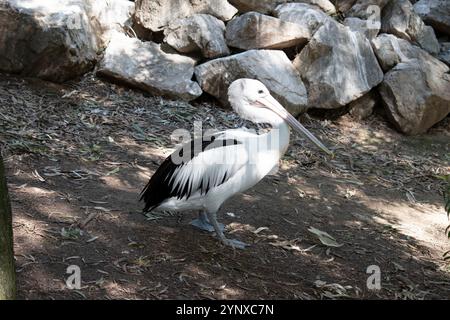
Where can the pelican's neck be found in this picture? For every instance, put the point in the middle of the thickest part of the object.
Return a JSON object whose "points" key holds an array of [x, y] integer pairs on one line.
{"points": [[278, 136], [277, 139]]}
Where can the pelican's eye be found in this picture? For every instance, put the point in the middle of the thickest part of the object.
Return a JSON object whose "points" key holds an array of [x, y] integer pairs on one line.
{"points": [[261, 91]]}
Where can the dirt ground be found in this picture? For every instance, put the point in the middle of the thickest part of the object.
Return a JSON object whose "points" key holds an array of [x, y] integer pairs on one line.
{"points": [[79, 154]]}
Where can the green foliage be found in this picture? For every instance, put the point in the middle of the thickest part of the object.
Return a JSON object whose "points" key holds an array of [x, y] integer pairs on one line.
{"points": [[447, 208]]}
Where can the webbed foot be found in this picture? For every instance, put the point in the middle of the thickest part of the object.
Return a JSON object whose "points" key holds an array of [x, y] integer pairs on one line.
{"points": [[234, 243]]}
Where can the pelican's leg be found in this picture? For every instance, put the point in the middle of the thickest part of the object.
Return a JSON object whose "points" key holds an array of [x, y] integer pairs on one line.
{"points": [[203, 223], [229, 242]]}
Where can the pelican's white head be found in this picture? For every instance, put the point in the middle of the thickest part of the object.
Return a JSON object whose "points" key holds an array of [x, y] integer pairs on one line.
{"points": [[252, 101], [243, 95]]}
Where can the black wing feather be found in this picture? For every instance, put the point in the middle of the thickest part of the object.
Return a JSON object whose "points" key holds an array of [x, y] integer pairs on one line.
{"points": [[160, 187]]}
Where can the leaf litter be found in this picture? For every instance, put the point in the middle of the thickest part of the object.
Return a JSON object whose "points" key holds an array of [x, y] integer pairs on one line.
{"points": [[44, 125]]}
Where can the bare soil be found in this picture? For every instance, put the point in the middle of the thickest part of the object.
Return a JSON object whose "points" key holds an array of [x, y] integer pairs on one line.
{"points": [[79, 154]]}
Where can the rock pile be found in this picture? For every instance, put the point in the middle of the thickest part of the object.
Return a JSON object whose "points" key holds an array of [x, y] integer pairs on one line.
{"points": [[343, 54]]}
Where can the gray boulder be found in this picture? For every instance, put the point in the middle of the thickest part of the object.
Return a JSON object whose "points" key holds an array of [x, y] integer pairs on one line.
{"points": [[198, 33], [110, 15], [416, 94], [145, 66], [391, 50], [367, 28], [254, 30], [52, 42], [400, 19], [267, 6], [155, 15], [344, 5], [436, 13], [362, 108], [444, 55], [324, 5], [368, 9], [338, 66], [261, 6], [305, 15], [416, 89], [272, 67]]}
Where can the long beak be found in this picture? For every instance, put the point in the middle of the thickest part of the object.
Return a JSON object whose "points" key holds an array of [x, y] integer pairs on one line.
{"points": [[275, 106]]}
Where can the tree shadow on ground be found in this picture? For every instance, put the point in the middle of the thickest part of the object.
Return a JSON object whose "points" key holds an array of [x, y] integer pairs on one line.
{"points": [[123, 254]]}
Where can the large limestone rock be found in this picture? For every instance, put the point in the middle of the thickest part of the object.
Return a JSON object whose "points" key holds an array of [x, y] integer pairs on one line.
{"points": [[444, 55], [365, 16], [144, 65], [344, 5], [108, 16], [362, 108], [400, 19], [367, 28], [391, 50], [338, 66], [435, 13], [254, 30], [200, 32], [416, 95], [272, 67], [368, 9], [267, 6], [305, 15], [155, 15], [416, 90], [261, 6], [41, 39], [324, 5]]}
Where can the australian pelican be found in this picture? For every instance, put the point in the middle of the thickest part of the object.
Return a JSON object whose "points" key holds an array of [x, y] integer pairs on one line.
{"points": [[226, 163]]}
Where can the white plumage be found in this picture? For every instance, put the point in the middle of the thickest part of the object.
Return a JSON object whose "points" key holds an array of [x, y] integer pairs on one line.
{"points": [[231, 162], [206, 169]]}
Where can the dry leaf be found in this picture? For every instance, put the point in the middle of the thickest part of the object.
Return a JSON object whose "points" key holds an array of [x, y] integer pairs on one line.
{"points": [[325, 238]]}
